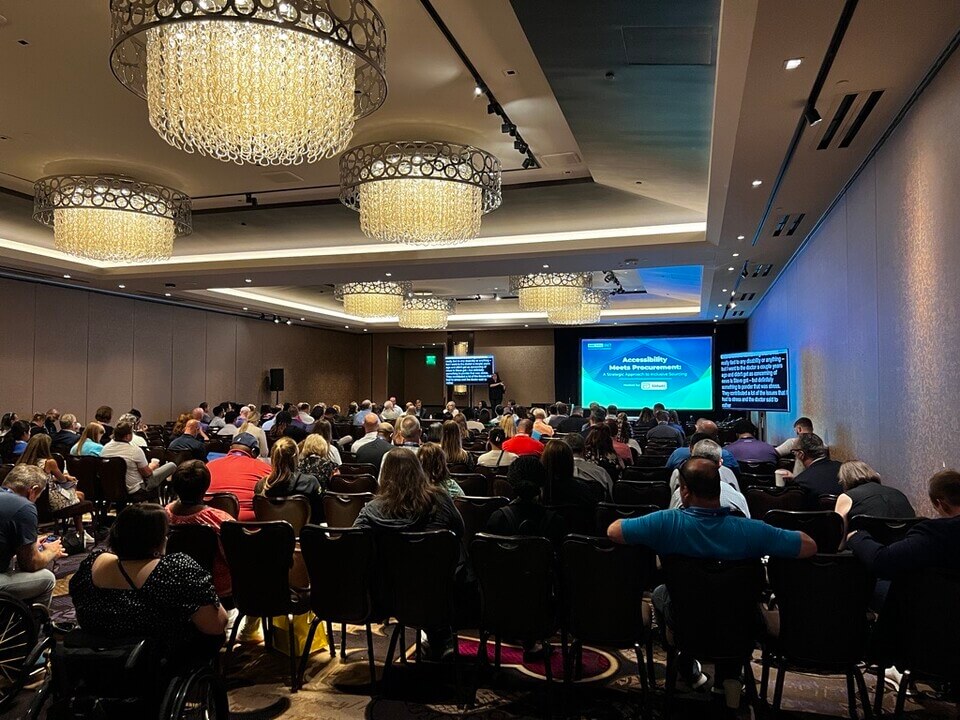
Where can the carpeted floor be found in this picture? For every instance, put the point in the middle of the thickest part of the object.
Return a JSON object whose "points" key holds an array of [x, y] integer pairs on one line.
{"points": [[336, 689]]}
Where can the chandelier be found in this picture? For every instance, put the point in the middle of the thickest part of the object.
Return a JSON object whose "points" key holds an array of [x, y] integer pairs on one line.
{"points": [[423, 193], [267, 82], [543, 292], [110, 218], [374, 299], [425, 313], [586, 312]]}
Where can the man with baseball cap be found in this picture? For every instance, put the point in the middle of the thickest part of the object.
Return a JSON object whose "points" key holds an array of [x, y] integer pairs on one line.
{"points": [[239, 471]]}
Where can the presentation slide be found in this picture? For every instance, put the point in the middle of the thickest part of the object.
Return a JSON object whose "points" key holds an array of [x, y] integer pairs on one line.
{"points": [[639, 372], [755, 381], [468, 369]]}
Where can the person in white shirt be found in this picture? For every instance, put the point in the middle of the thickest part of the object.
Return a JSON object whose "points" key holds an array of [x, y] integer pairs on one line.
{"points": [[217, 422], [371, 427], [304, 416], [389, 412], [252, 426], [451, 409], [802, 426], [137, 440], [142, 477], [496, 456], [730, 495]]}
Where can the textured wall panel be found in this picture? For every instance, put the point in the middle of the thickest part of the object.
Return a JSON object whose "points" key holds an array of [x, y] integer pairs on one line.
{"points": [[60, 349], [16, 346], [153, 361], [189, 359], [109, 355], [221, 354]]}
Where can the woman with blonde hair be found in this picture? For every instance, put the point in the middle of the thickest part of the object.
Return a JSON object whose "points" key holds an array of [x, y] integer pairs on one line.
{"points": [[452, 444], [252, 425], [89, 442], [863, 494], [508, 425], [434, 463], [315, 459], [61, 487], [286, 479]]}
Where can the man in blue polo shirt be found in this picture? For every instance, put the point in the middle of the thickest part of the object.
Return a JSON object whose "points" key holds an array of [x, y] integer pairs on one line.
{"points": [[704, 529]]}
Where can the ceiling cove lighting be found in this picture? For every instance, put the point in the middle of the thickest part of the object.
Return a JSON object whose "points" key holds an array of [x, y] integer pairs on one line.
{"points": [[425, 313], [420, 192], [252, 81], [586, 312], [543, 292], [111, 218], [373, 299]]}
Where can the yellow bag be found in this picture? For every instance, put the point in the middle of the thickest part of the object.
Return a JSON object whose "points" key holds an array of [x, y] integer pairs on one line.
{"points": [[301, 627]]}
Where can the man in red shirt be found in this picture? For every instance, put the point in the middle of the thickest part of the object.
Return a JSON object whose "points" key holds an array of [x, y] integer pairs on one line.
{"points": [[522, 443], [239, 472]]}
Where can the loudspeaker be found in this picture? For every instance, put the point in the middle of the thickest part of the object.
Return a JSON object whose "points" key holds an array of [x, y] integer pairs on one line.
{"points": [[276, 379]]}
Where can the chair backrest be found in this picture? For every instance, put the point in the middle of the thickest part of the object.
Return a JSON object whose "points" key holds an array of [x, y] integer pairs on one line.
{"points": [[341, 565], [350, 468], [473, 484], [503, 488], [340, 510], [762, 500], [883, 530], [646, 474], [765, 469], [823, 604], [295, 509], [85, 470], [200, 542], [155, 452], [824, 526], [112, 479], [651, 461], [607, 513], [579, 519], [714, 605], [178, 456], [459, 468], [826, 502], [516, 574], [225, 501], [59, 458], [418, 576], [353, 484], [634, 492], [476, 511], [603, 586], [259, 555]]}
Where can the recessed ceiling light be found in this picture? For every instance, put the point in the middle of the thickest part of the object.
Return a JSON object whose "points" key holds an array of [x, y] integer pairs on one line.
{"points": [[497, 298], [792, 63], [732, 305], [289, 322], [757, 183], [714, 319], [545, 266], [245, 308], [740, 237], [364, 329], [477, 91], [121, 286], [168, 295], [302, 319], [389, 274], [66, 277], [731, 269], [736, 254], [347, 327], [247, 280], [724, 290], [719, 304], [526, 326]]}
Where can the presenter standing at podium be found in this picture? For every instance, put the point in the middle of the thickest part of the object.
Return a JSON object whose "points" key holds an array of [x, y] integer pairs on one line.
{"points": [[497, 389]]}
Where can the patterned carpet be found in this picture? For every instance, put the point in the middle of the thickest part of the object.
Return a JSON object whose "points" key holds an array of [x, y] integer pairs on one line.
{"points": [[336, 689]]}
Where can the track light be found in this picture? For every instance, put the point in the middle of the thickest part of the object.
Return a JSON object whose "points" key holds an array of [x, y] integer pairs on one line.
{"points": [[478, 91], [812, 116], [509, 128], [529, 163], [493, 109]]}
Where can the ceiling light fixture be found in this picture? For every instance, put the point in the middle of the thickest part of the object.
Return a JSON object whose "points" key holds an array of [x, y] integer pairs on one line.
{"points": [[106, 217], [252, 81], [731, 269], [168, 295], [121, 286], [425, 313], [757, 183], [66, 277], [423, 193], [792, 63], [586, 312], [736, 254], [543, 292], [373, 299], [740, 237]]}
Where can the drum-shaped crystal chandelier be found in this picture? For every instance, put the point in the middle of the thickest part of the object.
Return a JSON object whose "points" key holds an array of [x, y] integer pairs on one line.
{"points": [[425, 313], [543, 292], [373, 299], [585, 312]]}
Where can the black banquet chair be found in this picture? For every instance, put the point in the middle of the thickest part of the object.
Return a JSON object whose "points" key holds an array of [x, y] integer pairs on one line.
{"points": [[476, 511], [607, 513], [225, 501], [340, 510], [883, 530], [294, 509], [824, 526], [635, 492], [646, 474], [762, 499], [200, 542]]}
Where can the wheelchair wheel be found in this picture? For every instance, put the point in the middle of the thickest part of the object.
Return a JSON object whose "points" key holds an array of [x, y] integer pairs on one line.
{"points": [[18, 636], [199, 696]]}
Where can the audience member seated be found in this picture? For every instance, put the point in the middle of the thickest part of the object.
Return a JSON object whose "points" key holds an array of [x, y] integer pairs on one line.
{"points": [[138, 439], [387, 432], [303, 416], [239, 472], [198, 414], [573, 423], [704, 529], [645, 422], [559, 414], [135, 590], [584, 469], [451, 440], [623, 433], [408, 502], [663, 433], [315, 459], [747, 449], [14, 442], [541, 428], [38, 424], [450, 410], [229, 424], [179, 426], [496, 456], [372, 451], [104, 416], [819, 475], [61, 488], [508, 424], [143, 478], [434, 463], [360, 416], [283, 427], [802, 426], [928, 544], [598, 447], [88, 443], [218, 419], [250, 425], [863, 494], [390, 412], [522, 443], [371, 431], [286, 479], [526, 515], [191, 482], [6, 422], [408, 432], [31, 581], [190, 441], [562, 487], [675, 423], [597, 417], [67, 436], [706, 429], [730, 495], [324, 428]]}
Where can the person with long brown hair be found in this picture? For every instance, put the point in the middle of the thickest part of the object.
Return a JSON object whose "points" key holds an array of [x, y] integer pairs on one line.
{"points": [[434, 462], [61, 487], [89, 442], [451, 441], [286, 479], [562, 487]]}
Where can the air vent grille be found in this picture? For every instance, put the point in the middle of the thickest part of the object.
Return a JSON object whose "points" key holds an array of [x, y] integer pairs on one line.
{"points": [[747, 296], [737, 313], [761, 270], [787, 224], [849, 113]]}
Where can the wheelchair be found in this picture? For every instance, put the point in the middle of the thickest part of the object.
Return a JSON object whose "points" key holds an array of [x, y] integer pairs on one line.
{"points": [[19, 651]]}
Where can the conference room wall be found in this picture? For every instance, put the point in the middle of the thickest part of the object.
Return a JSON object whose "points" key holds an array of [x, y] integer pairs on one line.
{"points": [[869, 309], [77, 350]]}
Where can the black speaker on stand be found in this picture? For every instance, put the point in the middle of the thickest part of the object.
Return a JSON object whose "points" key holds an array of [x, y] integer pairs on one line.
{"points": [[276, 383]]}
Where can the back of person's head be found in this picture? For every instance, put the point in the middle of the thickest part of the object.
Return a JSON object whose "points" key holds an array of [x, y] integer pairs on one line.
{"points": [[562, 408], [139, 532], [803, 424], [230, 417], [123, 431], [552, 409], [93, 432], [409, 428], [575, 442], [697, 437], [598, 416], [674, 418], [323, 427], [744, 427], [245, 442], [434, 463], [508, 425], [191, 428], [26, 480], [219, 410], [611, 409], [303, 407], [38, 448], [593, 406], [539, 414], [371, 422], [646, 415], [128, 418], [700, 477], [557, 460], [496, 437], [386, 431], [528, 476], [707, 427], [284, 457], [314, 444], [854, 473], [812, 446], [405, 491], [190, 481], [707, 448], [451, 442], [103, 414], [662, 416], [599, 442], [944, 491], [197, 413], [365, 405], [68, 421], [136, 413]]}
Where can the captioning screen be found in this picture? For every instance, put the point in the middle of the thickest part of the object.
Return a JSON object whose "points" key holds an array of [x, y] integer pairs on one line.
{"points": [[757, 380]]}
